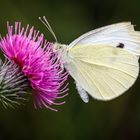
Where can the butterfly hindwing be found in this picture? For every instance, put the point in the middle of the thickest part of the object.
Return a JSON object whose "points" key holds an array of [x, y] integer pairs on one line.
{"points": [[103, 71]]}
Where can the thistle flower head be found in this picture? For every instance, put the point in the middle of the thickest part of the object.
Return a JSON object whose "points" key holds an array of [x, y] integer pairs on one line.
{"points": [[13, 85], [38, 62]]}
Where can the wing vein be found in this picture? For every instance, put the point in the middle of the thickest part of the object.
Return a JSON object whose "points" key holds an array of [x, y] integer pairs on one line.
{"points": [[91, 80], [107, 66]]}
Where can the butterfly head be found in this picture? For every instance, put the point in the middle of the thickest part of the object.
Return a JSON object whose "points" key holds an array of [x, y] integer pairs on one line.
{"points": [[62, 50], [59, 47]]}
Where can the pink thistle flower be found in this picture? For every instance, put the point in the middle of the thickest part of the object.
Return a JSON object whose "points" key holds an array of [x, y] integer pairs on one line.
{"points": [[38, 62]]}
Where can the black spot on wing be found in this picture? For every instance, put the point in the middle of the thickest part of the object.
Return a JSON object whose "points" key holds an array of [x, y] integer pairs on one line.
{"points": [[121, 45]]}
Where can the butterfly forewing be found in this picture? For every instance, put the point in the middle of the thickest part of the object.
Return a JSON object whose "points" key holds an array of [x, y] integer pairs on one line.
{"points": [[112, 35]]}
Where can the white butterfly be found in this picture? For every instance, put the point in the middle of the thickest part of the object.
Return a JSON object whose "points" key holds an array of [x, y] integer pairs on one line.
{"points": [[104, 61]]}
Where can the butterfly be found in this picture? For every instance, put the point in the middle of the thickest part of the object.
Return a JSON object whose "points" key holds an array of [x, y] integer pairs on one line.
{"points": [[103, 62]]}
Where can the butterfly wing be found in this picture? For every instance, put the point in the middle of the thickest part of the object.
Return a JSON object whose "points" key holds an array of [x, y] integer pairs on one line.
{"points": [[103, 71], [112, 35]]}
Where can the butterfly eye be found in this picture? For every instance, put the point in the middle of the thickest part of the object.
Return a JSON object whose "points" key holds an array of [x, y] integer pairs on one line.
{"points": [[121, 45], [61, 47]]}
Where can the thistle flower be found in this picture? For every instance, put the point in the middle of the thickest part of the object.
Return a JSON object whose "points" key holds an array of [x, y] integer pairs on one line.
{"points": [[13, 85], [38, 62]]}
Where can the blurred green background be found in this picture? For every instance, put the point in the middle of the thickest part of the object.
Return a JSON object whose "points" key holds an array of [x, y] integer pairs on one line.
{"points": [[118, 119]]}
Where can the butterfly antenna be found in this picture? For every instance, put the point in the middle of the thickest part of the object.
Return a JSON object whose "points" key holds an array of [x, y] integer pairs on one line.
{"points": [[46, 23]]}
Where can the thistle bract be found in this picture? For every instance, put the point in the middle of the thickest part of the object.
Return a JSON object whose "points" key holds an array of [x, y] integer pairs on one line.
{"points": [[13, 85], [38, 62]]}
